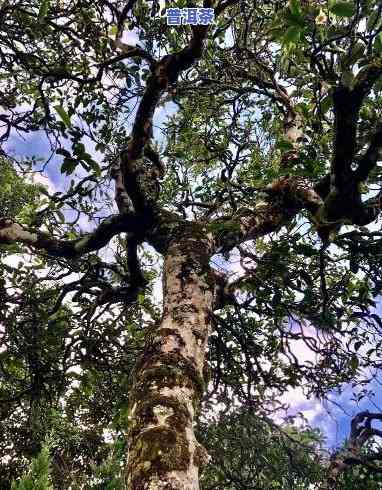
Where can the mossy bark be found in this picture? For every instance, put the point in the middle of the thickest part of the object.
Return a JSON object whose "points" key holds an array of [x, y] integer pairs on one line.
{"points": [[339, 464], [168, 379]]}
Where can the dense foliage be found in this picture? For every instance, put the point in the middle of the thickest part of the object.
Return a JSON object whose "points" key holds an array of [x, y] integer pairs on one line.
{"points": [[262, 131]]}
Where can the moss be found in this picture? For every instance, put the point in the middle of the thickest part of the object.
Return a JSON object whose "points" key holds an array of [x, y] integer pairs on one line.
{"points": [[179, 418], [159, 449], [156, 451], [201, 456], [167, 332], [168, 370], [162, 413]]}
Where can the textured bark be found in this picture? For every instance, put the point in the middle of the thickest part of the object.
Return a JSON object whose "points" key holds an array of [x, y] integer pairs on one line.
{"points": [[12, 232], [361, 431], [168, 380], [338, 465]]}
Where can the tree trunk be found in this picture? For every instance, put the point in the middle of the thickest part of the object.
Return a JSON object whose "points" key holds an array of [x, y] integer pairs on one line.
{"points": [[168, 380]]}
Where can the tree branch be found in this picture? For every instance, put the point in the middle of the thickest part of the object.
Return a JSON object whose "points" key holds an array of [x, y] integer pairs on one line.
{"points": [[370, 158], [344, 193], [281, 202], [361, 431], [12, 232], [164, 73]]}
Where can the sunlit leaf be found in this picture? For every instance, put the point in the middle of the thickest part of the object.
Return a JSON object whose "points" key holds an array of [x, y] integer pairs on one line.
{"points": [[63, 115], [43, 10], [343, 9]]}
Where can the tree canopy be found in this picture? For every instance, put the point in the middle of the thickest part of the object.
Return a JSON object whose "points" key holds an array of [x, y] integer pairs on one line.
{"points": [[192, 231]]}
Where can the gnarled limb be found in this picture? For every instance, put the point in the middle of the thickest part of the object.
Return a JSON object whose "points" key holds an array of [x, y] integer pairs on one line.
{"points": [[13, 232], [344, 194], [282, 200], [164, 73], [361, 431], [370, 158]]}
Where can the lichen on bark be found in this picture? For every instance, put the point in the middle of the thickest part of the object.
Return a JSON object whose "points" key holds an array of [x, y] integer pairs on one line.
{"points": [[169, 377]]}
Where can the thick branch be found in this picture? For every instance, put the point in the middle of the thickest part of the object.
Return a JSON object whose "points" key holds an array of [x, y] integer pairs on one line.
{"points": [[282, 201], [361, 431], [344, 193], [165, 72], [371, 156], [346, 109], [347, 103], [12, 232]]}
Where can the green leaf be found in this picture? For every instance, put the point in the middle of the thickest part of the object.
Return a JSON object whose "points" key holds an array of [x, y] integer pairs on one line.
{"points": [[79, 149], [63, 115], [294, 6], [68, 166], [326, 104], [44, 7], [293, 19], [39, 476], [347, 78], [354, 363], [60, 216], [63, 152], [306, 249], [378, 43], [284, 145], [343, 9], [292, 35], [373, 22], [358, 345], [113, 30], [88, 163]]}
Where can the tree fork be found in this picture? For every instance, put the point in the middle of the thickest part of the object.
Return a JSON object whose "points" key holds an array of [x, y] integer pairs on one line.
{"points": [[168, 379]]}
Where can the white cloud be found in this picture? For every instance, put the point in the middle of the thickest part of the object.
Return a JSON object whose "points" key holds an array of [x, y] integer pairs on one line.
{"points": [[38, 178]]}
